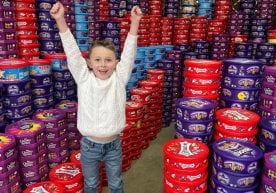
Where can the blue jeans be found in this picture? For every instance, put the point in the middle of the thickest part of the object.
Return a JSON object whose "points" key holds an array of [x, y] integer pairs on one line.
{"points": [[92, 154]]}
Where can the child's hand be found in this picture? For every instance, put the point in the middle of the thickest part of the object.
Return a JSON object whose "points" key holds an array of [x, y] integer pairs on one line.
{"points": [[136, 14], [57, 11]]}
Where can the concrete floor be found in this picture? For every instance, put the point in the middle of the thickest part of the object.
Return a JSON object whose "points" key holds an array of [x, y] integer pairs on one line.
{"points": [[146, 173]]}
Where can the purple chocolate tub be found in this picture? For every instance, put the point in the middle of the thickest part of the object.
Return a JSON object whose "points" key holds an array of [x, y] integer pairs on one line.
{"points": [[17, 100], [40, 80], [242, 82], [234, 180], [266, 145], [203, 126], [42, 90], [203, 137], [228, 103], [268, 185], [16, 87], [241, 94], [268, 129], [241, 66], [27, 132], [270, 74], [237, 156], [270, 165], [195, 108], [217, 187]]}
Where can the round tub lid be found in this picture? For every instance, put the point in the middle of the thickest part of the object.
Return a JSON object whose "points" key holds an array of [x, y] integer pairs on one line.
{"points": [[235, 116], [40, 62], [268, 123], [66, 173], [13, 63], [46, 186], [203, 63], [242, 61], [237, 149], [50, 115], [24, 128], [195, 103], [186, 150], [60, 56]]}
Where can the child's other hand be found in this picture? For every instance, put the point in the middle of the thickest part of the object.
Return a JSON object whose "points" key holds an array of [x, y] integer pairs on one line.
{"points": [[136, 13], [57, 11]]}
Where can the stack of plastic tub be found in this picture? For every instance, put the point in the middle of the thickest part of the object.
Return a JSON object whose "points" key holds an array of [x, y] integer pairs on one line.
{"points": [[185, 166], [143, 96], [236, 124], [235, 38], [171, 8], [168, 66], [42, 91], [9, 166], [222, 9], [259, 26], [241, 83], [243, 50], [56, 137], [81, 20], [93, 20], [265, 52], [110, 30], [247, 7], [152, 120], [63, 82], [28, 44], [181, 30], [154, 30], [166, 30], [73, 134], [188, 8], [155, 7], [194, 119], [117, 8], [198, 28], [236, 166], [267, 136], [236, 22], [69, 175], [220, 46], [216, 26], [268, 177], [8, 47], [16, 89], [202, 78], [205, 8], [47, 28], [126, 138], [31, 142], [177, 57], [202, 48], [267, 99], [70, 18], [132, 135]]}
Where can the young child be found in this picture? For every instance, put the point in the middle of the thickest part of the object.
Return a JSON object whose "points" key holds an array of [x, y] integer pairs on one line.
{"points": [[101, 85]]}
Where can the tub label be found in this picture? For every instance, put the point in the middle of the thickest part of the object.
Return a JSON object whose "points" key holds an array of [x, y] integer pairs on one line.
{"points": [[39, 189], [189, 149], [236, 149], [236, 115], [70, 171]]}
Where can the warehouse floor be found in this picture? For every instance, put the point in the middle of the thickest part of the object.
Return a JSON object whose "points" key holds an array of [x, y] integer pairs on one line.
{"points": [[146, 173]]}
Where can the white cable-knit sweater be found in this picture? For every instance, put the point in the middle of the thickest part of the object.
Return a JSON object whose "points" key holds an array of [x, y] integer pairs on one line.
{"points": [[101, 103]]}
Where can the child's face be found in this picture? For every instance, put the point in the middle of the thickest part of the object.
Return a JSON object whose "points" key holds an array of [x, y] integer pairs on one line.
{"points": [[103, 62]]}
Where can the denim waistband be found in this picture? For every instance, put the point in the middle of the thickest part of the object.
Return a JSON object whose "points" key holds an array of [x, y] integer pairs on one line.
{"points": [[92, 143]]}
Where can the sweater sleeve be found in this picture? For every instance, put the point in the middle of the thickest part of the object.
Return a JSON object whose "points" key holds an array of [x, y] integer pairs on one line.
{"points": [[76, 63], [125, 66]]}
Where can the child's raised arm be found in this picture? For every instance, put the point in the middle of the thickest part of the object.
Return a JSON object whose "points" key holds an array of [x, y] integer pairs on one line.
{"points": [[135, 17], [57, 12]]}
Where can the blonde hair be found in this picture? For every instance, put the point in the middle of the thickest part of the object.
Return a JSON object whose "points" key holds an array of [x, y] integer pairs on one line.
{"points": [[104, 43]]}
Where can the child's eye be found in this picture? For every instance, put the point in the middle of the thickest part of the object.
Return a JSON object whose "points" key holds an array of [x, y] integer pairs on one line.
{"points": [[97, 60], [108, 60]]}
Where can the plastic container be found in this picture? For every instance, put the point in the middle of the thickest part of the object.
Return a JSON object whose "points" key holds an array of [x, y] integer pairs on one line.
{"points": [[202, 66], [69, 107], [155, 74], [18, 111], [269, 165], [242, 94], [134, 108], [191, 126], [14, 69], [40, 67], [17, 100], [11, 88], [266, 145], [43, 90], [8, 146], [185, 153], [236, 156], [225, 102], [242, 66], [32, 149], [39, 80], [52, 118], [246, 82], [234, 180], [66, 174], [237, 119], [268, 128], [27, 132], [190, 108]]}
